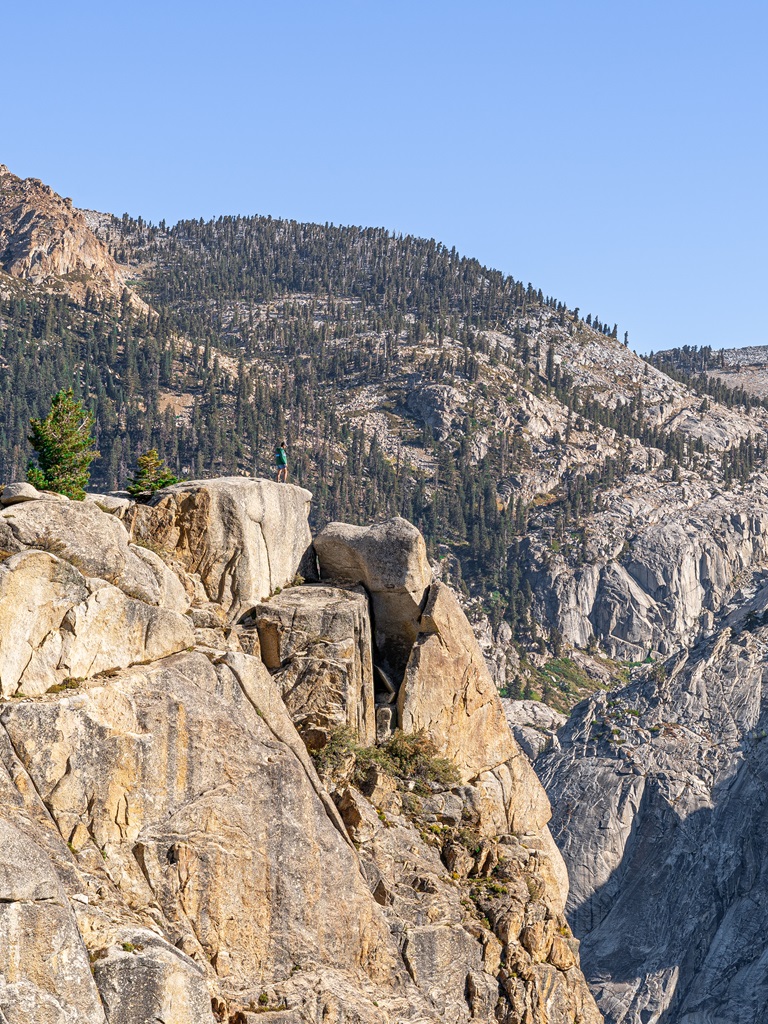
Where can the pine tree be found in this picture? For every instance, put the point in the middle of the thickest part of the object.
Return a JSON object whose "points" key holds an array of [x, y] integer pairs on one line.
{"points": [[64, 447], [151, 474]]}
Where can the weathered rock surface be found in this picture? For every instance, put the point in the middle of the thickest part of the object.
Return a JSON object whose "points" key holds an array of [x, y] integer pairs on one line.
{"points": [[438, 406], [659, 793], [534, 725], [147, 980], [160, 815], [390, 561], [671, 566], [463, 905], [317, 642], [44, 969], [95, 543], [448, 693], [57, 625], [244, 538], [14, 494]]}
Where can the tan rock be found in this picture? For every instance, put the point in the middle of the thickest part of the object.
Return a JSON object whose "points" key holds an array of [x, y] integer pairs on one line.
{"points": [[202, 810], [150, 982], [44, 970], [448, 693], [36, 591], [390, 561], [44, 240], [57, 625], [358, 815], [92, 541], [317, 642], [244, 537]]}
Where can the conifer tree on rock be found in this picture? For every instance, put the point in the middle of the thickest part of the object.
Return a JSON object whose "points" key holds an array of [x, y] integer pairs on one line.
{"points": [[151, 474], [64, 447]]}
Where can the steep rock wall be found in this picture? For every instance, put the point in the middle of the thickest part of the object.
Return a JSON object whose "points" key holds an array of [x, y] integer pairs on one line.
{"points": [[659, 795], [662, 585]]}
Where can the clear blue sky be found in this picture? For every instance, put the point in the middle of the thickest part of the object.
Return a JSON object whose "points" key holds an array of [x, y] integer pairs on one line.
{"points": [[614, 154]]}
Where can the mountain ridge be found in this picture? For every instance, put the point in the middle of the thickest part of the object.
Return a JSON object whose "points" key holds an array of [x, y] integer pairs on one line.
{"points": [[602, 517]]}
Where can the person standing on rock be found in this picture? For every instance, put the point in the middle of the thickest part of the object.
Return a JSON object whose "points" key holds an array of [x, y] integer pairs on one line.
{"points": [[281, 462]]}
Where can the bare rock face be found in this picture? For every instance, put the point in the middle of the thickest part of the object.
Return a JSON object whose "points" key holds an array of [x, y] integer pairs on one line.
{"points": [[95, 543], [534, 725], [676, 568], [57, 625], [448, 693], [180, 798], [317, 642], [168, 851], [390, 561], [243, 537], [44, 969], [660, 800], [438, 406], [44, 240], [148, 980]]}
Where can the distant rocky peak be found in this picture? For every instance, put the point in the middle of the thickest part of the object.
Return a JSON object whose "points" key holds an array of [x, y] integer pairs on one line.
{"points": [[46, 241]]}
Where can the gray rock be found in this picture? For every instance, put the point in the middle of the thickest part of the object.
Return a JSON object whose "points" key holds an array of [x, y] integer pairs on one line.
{"points": [[659, 796], [152, 982], [438, 406], [534, 725], [660, 581], [15, 493]]}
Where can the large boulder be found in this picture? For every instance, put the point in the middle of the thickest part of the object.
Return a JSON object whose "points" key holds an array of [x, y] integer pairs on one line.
{"points": [[317, 642], [146, 980], [243, 537], [95, 543], [16, 493], [390, 561]]}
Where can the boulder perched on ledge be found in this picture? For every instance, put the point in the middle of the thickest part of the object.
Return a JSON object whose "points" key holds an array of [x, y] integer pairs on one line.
{"points": [[317, 642], [390, 561], [243, 537]]}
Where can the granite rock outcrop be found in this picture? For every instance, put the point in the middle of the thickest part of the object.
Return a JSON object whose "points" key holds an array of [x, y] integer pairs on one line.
{"points": [[659, 795], [170, 849]]}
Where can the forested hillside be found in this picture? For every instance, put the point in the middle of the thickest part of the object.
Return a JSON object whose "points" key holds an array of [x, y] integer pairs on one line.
{"points": [[404, 378]]}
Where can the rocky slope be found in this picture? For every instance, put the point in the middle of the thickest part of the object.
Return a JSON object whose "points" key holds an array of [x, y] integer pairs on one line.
{"points": [[659, 793], [44, 240], [169, 851]]}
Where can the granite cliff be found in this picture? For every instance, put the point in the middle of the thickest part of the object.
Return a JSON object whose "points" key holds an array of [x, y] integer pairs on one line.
{"points": [[171, 851]]}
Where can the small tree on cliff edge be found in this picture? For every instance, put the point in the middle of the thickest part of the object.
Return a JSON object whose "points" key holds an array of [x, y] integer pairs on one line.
{"points": [[151, 474], [64, 447]]}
